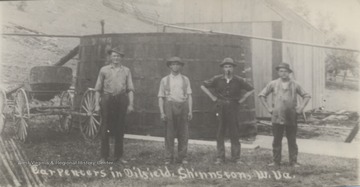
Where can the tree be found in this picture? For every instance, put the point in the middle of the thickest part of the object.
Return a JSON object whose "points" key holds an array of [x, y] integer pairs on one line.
{"points": [[301, 8], [342, 60], [336, 60]]}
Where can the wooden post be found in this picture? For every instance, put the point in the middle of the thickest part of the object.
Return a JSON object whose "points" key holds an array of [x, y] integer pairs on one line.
{"points": [[7, 153], [24, 157], [10, 172], [68, 57], [102, 22], [164, 28], [13, 90], [352, 134], [28, 175]]}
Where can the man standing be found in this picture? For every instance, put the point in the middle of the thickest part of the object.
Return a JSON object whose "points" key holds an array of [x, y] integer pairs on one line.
{"points": [[115, 86], [226, 93], [284, 112], [175, 103]]}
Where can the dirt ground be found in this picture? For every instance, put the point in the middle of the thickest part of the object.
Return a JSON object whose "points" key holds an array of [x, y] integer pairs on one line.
{"points": [[66, 151], [46, 144]]}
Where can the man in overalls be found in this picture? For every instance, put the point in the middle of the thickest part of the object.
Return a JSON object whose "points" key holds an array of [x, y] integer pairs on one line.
{"points": [[175, 103], [115, 86], [227, 94], [284, 112]]}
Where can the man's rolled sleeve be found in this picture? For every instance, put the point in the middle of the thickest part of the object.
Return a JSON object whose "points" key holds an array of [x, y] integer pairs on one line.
{"points": [[130, 86], [100, 82], [161, 89], [209, 83], [188, 89], [267, 90], [246, 86], [302, 92]]}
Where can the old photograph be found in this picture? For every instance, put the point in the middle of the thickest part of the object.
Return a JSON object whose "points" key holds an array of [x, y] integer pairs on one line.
{"points": [[179, 93]]}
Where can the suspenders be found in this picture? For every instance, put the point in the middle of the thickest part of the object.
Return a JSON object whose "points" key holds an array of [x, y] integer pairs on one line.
{"points": [[184, 85]]}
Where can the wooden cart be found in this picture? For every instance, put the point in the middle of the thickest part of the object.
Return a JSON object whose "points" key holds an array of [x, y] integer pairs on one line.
{"points": [[34, 99]]}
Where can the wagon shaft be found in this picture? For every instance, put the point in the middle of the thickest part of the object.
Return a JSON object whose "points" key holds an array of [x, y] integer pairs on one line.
{"points": [[59, 112], [13, 90]]}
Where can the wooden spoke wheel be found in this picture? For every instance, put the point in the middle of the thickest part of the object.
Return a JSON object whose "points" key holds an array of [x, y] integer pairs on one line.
{"points": [[65, 122], [3, 102], [21, 114], [89, 124]]}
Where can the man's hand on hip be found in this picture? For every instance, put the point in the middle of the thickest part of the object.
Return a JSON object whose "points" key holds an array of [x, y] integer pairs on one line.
{"points": [[299, 110]]}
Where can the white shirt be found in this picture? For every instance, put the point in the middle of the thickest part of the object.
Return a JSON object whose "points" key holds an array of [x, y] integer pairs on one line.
{"points": [[176, 88]]}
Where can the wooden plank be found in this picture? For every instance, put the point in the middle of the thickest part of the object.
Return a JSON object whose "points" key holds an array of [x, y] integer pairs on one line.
{"points": [[276, 47], [206, 11], [261, 63], [352, 134], [67, 57], [41, 35]]}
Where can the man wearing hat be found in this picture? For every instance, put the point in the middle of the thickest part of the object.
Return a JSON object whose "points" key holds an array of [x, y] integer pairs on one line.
{"points": [[115, 87], [175, 103], [284, 112], [226, 92]]}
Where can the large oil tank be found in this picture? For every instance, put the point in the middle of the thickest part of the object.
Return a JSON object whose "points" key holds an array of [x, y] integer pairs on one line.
{"points": [[146, 54]]}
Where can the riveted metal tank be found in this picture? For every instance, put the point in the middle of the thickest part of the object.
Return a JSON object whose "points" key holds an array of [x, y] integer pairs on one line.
{"points": [[146, 54]]}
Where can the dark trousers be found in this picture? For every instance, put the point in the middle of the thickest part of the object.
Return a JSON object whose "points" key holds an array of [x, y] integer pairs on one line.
{"points": [[176, 126], [278, 133], [113, 113], [226, 112]]}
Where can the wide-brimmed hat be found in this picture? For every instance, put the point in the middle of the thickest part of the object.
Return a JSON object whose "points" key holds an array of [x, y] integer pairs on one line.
{"points": [[227, 61], [283, 65], [174, 59], [116, 50]]}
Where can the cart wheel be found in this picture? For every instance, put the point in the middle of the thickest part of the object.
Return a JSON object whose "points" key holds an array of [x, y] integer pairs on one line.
{"points": [[21, 114], [65, 123], [90, 124], [2, 110]]}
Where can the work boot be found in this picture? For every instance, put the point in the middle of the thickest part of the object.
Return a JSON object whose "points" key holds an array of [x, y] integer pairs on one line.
{"points": [[274, 164], [219, 161], [182, 161], [295, 165], [239, 162]]}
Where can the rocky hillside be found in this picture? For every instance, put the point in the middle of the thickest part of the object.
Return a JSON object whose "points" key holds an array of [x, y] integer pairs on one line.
{"points": [[66, 17]]}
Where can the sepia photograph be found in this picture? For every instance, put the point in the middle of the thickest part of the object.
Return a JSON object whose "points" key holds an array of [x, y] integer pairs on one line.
{"points": [[258, 93]]}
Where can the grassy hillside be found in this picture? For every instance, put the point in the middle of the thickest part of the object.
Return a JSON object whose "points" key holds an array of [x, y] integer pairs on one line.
{"points": [[68, 17]]}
